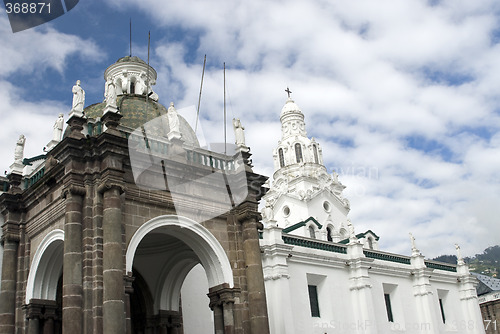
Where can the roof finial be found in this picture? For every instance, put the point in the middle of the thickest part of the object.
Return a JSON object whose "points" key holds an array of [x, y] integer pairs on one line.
{"points": [[414, 249], [288, 91], [460, 259]]}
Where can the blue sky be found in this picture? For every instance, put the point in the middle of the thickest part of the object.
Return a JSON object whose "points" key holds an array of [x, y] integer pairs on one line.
{"points": [[402, 95]]}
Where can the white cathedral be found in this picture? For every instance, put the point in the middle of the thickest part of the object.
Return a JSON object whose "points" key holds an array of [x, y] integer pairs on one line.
{"points": [[311, 272]]}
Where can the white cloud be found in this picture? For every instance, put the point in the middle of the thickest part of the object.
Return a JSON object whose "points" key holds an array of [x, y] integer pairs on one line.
{"points": [[40, 49], [372, 74], [33, 52], [368, 76]]}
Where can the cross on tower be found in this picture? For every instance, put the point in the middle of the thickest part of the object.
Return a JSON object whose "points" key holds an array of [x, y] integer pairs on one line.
{"points": [[288, 91]]}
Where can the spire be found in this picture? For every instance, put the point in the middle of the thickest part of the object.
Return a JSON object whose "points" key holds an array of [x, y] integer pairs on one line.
{"points": [[302, 188], [295, 147]]}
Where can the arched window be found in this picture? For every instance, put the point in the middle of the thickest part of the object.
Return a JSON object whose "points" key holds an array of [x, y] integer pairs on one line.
{"points": [[132, 86], [315, 152], [370, 243], [281, 157], [298, 152], [312, 233], [329, 233]]}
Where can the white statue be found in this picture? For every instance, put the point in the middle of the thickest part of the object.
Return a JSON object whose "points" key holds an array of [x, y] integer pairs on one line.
{"points": [[173, 118], [414, 248], [140, 85], [124, 81], [267, 213], [78, 97], [239, 135], [352, 234], [19, 151], [460, 259], [110, 93], [58, 128]]}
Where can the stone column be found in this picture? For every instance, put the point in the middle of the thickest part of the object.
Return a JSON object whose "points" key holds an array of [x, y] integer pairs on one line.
{"points": [[10, 240], [128, 279], [255, 279], [34, 313], [50, 316], [222, 299], [33, 324], [72, 290], [113, 262]]}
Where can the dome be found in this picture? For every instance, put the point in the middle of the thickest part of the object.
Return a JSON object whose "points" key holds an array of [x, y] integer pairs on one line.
{"points": [[290, 107], [131, 59], [136, 112]]}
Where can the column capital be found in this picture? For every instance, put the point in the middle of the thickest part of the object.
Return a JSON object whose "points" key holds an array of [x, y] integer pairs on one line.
{"points": [[10, 232], [245, 213], [127, 281], [74, 190], [108, 185], [222, 294]]}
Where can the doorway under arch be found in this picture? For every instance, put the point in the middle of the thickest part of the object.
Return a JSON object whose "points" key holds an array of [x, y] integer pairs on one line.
{"points": [[160, 255]]}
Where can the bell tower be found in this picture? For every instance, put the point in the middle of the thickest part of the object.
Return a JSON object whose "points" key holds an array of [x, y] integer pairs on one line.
{"points": [[304, 198]]}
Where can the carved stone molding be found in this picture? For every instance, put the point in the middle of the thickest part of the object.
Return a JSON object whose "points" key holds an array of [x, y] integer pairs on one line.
{"points": [[108, 185], [222, 294], [11, 232], [73, 189]]}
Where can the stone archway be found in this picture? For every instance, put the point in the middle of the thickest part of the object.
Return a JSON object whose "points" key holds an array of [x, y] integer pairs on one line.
{"points": [[43, 290], [162, 252]]}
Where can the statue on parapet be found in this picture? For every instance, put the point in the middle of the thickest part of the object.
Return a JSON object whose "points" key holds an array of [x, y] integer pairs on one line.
{"points": [[239, 134], [19, 151], [110, 93], [78, 97], [58, 128]]}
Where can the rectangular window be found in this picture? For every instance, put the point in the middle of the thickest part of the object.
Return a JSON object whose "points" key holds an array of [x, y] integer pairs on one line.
{"points": [[442, 310], [388, 307], [313, 300]]}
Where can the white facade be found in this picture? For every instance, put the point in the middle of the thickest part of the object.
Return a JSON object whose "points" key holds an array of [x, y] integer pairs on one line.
{"points": [[311, 252]]}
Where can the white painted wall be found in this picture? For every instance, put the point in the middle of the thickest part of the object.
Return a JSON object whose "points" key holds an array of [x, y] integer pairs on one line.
{"points": [[290, 269], [197, 315]]}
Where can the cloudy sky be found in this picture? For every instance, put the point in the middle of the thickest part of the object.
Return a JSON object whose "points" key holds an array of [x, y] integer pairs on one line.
{"points": [[402, 95]]}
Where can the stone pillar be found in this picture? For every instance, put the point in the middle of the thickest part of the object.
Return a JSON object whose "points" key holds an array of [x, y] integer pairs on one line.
{"points": [[111, 119], [50, 316], [360, 287], [255, 279], [72, 290], [10, 240], [34, 315], [75, 123], [128, 279], [222, 299], [113, 261]]}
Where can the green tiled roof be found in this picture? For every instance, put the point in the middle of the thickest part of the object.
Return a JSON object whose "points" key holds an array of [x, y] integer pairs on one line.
{"points": [[136, 112], [303, 223]]}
